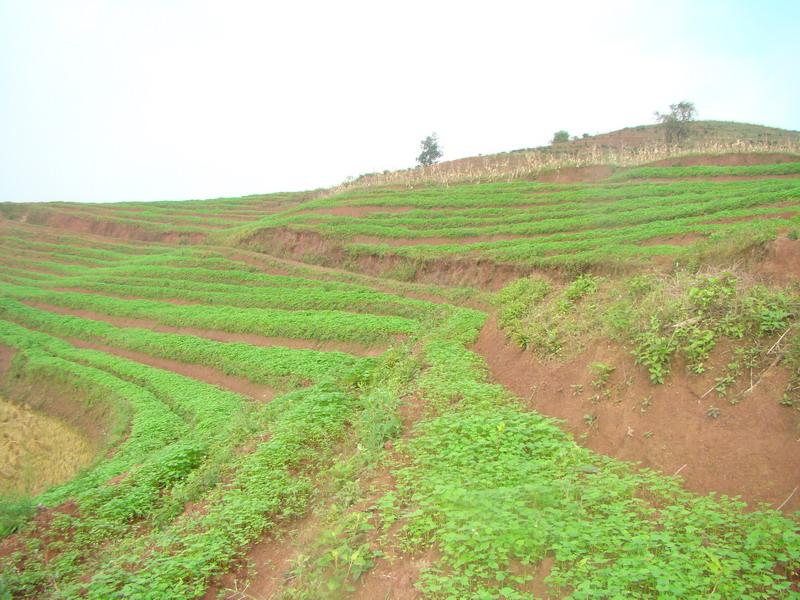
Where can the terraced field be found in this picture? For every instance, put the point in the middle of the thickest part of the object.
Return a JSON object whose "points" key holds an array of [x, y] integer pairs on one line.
{"points": [[352, 395]]}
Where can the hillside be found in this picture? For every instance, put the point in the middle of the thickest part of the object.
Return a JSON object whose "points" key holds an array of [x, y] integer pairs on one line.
{"points": [[626, 147], [579, 382]]}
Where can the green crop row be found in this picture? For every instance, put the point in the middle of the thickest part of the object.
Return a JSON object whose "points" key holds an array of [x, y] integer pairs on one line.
{"points": [[274, 366], [323, 325], [645, 213], [256, 297], [532, 193], [707, 171], [433, 219], [163, 465], [540, 251]]}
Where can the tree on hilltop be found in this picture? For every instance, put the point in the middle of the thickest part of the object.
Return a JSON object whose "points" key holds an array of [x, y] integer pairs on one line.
{"points": [[676, 121], [560, 136], [430, 151]]}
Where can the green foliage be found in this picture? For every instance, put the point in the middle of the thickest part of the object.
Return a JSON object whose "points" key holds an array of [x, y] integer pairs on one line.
{"points": [[516, 299], [497, 489], [602, 373], [654, 350], [677, 121], [321, 324], [707, 171], [560, 137], [698, 347], [583, 286], [429, 151], [190, 475], [14, 513]]}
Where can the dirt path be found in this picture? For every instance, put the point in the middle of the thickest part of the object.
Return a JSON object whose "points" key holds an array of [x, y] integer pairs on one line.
{"points": [[268, 563], [752, 449]]}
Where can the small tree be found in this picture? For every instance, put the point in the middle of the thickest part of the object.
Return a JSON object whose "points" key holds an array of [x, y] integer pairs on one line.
{"points": [[676, 121], [560, 136], [430, 151]]}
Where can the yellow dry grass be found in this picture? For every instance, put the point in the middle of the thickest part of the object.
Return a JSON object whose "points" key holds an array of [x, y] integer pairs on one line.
{"points": [[530, 164], [37, 451]]}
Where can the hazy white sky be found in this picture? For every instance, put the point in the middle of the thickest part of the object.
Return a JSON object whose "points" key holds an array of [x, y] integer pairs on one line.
{"points": [[143, 100]]}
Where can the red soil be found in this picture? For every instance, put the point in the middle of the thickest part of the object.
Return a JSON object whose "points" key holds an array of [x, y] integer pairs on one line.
{"points": [[782, 261], [297, 268], [220, 336], [395, 573], [115, 229], [256, 391], [311, 246], [588, 174], [765, 217], [42, 530], [751, 450], [685, 239], [6, 356], [268, 565]]}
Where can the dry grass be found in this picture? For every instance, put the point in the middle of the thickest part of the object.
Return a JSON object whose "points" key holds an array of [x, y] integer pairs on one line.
{"points": [[530, 164], [37, 451]]}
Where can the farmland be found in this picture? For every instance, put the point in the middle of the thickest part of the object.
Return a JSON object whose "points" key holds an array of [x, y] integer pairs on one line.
{"points": [[515, 388]]}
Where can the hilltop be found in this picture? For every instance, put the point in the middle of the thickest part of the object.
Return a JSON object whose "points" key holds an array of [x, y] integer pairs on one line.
{"points": [[625, 147]]}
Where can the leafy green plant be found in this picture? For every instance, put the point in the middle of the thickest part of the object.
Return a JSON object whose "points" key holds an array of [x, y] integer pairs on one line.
{"points": [[582, 286], [654, 351], [698, 346], [602, 372]]}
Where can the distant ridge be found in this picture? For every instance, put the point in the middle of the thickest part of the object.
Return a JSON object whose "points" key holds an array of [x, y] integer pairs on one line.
{"points": [[630, 146]]}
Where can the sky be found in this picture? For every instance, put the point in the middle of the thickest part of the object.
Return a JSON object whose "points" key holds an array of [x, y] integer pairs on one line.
{"points": [[153, 100]]}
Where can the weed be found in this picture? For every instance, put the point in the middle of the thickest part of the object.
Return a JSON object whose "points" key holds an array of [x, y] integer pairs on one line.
{"points": [[583, 286], [602, 372], [654, 350]]}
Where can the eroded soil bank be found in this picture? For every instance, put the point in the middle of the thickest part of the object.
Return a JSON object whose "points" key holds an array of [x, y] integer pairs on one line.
{"points": [[750, 450]]}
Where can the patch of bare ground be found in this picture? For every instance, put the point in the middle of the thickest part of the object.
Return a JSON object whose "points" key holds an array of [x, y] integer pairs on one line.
{"points": [[266, 570], [752, 449], [259, 392], [765, 217], [6, 356], [252, 339], [41, 530], [726, 160], [395, 573], [587, 174], [433, 241], [781, 263], [267, 566], [311, 246], [295, 268], [684, 239], [259, 261], [114, 229], [352, 210]]}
